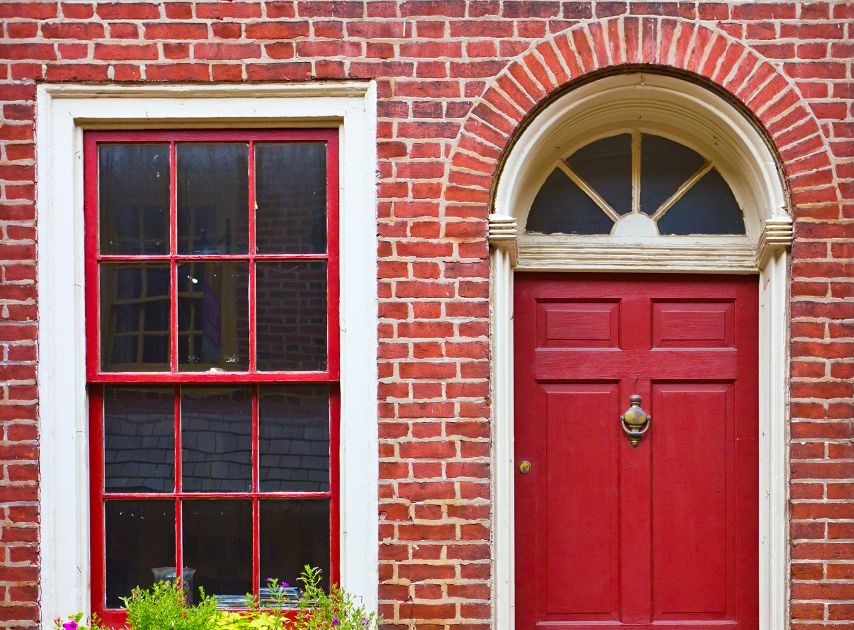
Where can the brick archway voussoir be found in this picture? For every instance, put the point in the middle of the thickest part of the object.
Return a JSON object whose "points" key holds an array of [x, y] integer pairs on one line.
{"points": [[659, 42]]}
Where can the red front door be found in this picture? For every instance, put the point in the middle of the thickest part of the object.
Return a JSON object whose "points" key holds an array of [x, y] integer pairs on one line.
{"points": [[665, 534]]}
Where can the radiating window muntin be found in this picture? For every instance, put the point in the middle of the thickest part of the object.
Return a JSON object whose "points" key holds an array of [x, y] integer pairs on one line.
{"points": [[207, 396], [635, 184]]}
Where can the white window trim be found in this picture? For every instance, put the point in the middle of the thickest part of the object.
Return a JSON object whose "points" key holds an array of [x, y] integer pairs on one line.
{"points": [[664, 104], [63, 112]]}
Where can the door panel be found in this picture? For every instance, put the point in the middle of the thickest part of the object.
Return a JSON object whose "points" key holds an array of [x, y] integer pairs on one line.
{"points": [[581, 569], [680, 324], [579, 324], [691, 499], [664, 534]]}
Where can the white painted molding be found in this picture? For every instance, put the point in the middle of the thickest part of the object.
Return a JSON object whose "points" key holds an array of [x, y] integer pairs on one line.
{"points": [[777, 235], [699, 118], [656, 104], [773, 441], [63, 112], [503, 539], [541, 252], [342, 89], [503, 234]]}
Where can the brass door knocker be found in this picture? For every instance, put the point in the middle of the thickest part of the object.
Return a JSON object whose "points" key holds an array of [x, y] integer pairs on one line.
{"points": [[635, 421]]}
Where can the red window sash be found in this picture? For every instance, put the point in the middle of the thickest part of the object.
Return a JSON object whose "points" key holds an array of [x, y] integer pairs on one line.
{"points": [[94, 374], [97, 379]]}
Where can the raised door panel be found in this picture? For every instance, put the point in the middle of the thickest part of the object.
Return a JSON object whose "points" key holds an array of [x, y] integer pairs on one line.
{"points": [[692, 501], [579, 487], [578, 324], [693, 324]]}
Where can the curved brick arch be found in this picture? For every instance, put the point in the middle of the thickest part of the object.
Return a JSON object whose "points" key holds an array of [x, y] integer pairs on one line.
{"points": [[549, 67]]}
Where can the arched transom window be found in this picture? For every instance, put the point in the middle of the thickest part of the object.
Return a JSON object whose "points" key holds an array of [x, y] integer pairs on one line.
{"points": [[635, 184]]}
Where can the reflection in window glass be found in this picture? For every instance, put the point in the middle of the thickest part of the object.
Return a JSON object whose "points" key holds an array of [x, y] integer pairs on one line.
{"points": [[291, 197], [678, 192], [213, 316], [709, 207], [140, 545], [213, 198], [562, 207], [294, 534], [133, 198], [139, 435], [291, 315], [294, 438], [606, 165], [218, 548], [134, 317], [665, 166], [216, 439], [201, 443]]}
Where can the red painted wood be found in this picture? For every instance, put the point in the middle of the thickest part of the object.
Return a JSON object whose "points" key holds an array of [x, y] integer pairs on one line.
{"points": [[93, 256], [256, 474], [98, 380], [173, 282], [664, 535], [97, 550], [253, 332], [179, 480]]}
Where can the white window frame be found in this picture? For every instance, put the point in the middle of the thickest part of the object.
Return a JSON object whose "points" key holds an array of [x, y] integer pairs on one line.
{"points": [[702, 119], [63, 113]]}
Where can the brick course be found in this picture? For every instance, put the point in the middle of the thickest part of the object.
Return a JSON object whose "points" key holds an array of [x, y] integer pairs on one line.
{"points": [[455, 80]]}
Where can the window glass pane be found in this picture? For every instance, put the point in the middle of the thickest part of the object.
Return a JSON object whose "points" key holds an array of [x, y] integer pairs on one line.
{"points": [[294, 533], [665, 165], [218, 548], [291, 197], [134, 317], [561, 206], [140, 545], [213, 316], [709, 207], [291, 315], [139, 439], [133, 198], [294, 438], [216, 439], [606, 165], [213, 198]]}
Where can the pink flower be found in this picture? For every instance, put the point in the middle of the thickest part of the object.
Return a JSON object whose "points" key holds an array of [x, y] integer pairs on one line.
{"points": [[69, 625]]}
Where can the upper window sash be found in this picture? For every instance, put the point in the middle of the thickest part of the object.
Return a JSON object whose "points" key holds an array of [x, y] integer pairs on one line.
{"points": [[242, 261]]}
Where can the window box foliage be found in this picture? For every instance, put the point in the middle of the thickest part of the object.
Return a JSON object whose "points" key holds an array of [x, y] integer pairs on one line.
{"points": [[165, 606]]}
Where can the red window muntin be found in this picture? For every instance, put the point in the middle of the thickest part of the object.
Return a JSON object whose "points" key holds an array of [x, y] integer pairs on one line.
{"points": [[177, 376]]}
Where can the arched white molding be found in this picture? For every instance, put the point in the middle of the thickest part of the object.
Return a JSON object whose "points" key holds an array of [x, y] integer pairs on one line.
{"points": [[660, 105], [694, 116]]}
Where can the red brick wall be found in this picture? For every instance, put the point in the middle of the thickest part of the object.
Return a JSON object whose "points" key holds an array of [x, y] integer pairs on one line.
{"points": [[442, 128]]}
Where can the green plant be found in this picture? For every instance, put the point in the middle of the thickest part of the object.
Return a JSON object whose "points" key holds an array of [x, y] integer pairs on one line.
{"points": [[164, 606], [338, 610], [250, 620]]}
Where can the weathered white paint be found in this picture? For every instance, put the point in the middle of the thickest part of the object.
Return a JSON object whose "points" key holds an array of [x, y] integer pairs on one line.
{"points": [[694, 116], [64, 111], [669, 107], [502, 232]]}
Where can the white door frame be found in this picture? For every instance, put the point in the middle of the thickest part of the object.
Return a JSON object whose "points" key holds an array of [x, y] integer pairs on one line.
{"points": [[665, 104]]}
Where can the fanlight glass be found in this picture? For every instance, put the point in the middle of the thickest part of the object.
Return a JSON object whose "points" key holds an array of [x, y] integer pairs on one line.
{"points": [[635, 184]]}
